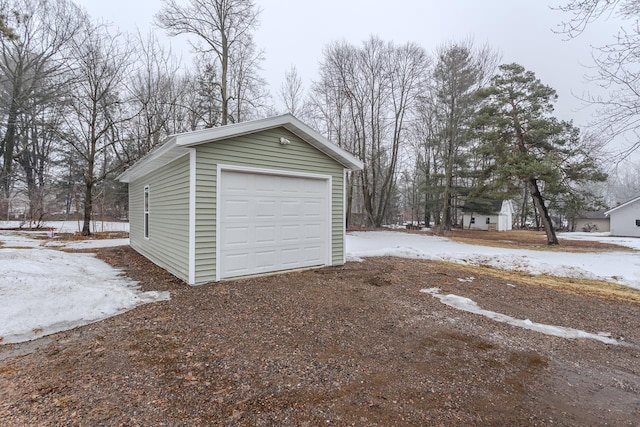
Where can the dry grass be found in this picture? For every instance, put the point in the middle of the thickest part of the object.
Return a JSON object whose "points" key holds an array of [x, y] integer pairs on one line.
{"points": [[583, 287], [528, 239]]}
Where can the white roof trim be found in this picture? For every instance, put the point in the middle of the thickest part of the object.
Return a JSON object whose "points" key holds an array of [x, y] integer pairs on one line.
{"points": [[622, 205], [178, 144]]}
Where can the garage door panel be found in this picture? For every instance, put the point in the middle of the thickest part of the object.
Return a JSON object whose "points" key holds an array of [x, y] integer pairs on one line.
{"points": [[291, 232], [311, 187], [290, 208], [270, 223], [265, 184], [265, 234], [236, 209], [265, 208], [238, 183], [290, 186], [265, 259], [312, 209], [312, 231], [234, 236], [237, 264], [290, 257], [311, 252]]}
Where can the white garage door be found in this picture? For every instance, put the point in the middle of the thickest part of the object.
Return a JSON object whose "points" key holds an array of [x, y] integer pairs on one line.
{"points": [[271, 223]]}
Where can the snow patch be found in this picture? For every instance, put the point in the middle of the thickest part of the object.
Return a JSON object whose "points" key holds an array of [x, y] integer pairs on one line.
{"points": [[44, 291], [470, 306]]}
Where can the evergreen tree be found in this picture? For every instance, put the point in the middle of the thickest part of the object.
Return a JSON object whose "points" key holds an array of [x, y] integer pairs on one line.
{"points": [[528, 145]]}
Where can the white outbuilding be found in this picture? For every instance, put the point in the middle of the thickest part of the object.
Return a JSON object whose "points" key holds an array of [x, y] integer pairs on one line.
{"points": [[499, 219], [625, 218]]}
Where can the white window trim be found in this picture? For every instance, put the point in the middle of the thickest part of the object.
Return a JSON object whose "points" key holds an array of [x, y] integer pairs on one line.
{"points": [[277, 172], [146, 201]]}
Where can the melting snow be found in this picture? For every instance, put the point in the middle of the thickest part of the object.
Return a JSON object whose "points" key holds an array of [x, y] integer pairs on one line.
{"points": [[468, 305], [618, 267], [43, 291]]}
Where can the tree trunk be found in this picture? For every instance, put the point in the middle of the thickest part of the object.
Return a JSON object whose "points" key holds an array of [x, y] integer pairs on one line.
{"points": [[538, 201], [88, 205], [523, 212]]}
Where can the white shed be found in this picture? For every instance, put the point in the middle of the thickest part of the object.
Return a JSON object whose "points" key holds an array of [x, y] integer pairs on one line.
{"points": [[501, 219], [625, 218]]}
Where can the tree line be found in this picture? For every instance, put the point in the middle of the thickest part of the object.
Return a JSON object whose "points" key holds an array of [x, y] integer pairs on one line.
{"points": [[437, 131]]}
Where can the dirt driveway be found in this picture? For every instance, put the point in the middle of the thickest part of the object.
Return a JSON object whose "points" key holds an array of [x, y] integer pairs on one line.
{"points": [[353, 345]]}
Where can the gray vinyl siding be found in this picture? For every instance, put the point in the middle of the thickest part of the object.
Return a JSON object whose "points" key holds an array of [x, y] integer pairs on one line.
{"points": [[260, 150], [168, 243]]}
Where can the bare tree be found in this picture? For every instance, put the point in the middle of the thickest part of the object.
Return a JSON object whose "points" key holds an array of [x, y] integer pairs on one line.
{"points": [[292, 91], [222, 29], [377, 86], [156, 90], [247, 89], [616, 66], [33, 73], [98, 109]]}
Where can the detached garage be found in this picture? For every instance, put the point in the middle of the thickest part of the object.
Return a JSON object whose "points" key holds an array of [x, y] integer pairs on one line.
{"points": [[238, 200]]}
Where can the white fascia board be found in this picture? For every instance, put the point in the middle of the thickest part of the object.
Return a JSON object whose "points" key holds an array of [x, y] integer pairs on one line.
{"points": [[164, 154], [622, 205], [178, 144]]}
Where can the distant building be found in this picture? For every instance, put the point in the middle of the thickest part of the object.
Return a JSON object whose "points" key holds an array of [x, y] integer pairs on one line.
{"points": [[625, 218], [498, 218], [591, 221]]}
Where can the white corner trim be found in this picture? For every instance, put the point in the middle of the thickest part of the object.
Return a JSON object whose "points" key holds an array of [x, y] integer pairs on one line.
{"points": [[344, 216], [330, 220], [192, 215], [217, 254]]}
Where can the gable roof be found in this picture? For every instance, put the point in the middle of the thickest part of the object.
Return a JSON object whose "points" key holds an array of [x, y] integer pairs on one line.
{"points": [[487, 207], [599, 214], [627, 203], [177, 145]]}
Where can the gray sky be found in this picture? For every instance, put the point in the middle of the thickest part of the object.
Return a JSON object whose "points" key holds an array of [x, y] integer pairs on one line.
{"points": [[295, 32]]}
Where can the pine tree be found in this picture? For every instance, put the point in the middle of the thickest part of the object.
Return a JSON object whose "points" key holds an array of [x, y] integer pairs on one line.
{"points": [[528, 145]]}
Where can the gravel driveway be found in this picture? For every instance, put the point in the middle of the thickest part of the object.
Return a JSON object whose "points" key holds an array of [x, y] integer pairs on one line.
{"points": [[353, 345]]}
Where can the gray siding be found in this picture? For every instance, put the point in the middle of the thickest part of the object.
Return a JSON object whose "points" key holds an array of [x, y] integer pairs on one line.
{"points": [[168, 243], [261, 150]]}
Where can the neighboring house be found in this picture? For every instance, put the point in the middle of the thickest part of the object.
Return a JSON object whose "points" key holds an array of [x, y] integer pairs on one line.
{"points": [[499, 218], [242, 199], [591, 221], [625, 218]]}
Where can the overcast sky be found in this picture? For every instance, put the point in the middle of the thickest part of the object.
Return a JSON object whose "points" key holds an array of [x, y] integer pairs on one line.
{"points": [[295, 32]]}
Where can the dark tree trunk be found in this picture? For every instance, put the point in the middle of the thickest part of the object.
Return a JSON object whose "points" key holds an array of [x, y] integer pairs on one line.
{"points": [[538, 201], [88, 206]]}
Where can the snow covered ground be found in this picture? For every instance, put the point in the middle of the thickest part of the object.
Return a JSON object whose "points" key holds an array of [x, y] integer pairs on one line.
{"points": [[617, 267], [69, 226], [43, 290]]}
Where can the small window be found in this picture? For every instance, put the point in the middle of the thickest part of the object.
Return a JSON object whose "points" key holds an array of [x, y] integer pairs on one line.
{"points": [[637, 222], [488, 220], [473, 220], [146, 212]]}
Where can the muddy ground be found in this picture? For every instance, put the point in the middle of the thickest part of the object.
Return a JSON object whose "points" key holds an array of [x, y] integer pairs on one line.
{"points": [[351, 345]]}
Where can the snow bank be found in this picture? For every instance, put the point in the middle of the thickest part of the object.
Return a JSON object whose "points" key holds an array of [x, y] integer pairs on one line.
{"points": [[43, 291], [617, 267]]}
